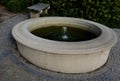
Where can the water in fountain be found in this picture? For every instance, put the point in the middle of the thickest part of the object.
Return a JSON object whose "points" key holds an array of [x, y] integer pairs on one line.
{"points": [[64, 30], [63, 33]]}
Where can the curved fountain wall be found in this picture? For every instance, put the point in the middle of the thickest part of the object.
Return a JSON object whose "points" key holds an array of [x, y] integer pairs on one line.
{"points": [[66, 57]]}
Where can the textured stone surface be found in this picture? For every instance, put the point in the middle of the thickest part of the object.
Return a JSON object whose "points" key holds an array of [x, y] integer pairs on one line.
{"points": [[13, 67], [81, 57]]}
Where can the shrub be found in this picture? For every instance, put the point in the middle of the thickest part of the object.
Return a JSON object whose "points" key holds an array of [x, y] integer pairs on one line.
{"points": [[102, 11], [16, 6], [3, 2]]}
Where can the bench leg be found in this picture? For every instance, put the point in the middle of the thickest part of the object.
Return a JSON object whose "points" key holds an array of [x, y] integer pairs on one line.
{"points": [[46, 11], [34, 15]]}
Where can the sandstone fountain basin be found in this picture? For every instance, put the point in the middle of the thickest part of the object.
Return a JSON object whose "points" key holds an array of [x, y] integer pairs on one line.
{"points": [[76, 56]]}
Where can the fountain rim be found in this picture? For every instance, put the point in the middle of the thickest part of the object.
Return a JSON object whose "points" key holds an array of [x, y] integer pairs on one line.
{"points": [[105, 41]]}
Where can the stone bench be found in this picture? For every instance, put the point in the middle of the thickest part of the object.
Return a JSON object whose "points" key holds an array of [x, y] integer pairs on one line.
{"points": [[37, 9]]}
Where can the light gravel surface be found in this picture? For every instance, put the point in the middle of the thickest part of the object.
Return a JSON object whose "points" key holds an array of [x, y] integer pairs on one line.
{"points": [[14, 67]]}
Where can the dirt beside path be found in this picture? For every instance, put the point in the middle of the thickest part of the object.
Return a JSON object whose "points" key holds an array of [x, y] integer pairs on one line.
{"points": [[5, 14]]}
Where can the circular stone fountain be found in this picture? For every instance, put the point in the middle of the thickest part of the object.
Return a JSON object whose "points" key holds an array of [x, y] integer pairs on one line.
{"points": [[64, 44]]}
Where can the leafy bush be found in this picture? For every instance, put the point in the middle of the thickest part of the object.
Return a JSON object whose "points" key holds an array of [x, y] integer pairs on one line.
{"points": [[3, 2], [103, 11], [16, 6]]}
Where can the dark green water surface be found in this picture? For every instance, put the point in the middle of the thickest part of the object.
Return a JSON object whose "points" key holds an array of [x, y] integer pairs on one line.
{"points": [[68, 34]]}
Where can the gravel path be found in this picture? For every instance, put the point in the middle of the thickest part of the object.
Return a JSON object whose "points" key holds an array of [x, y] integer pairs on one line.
{"points": [[13, 67]]}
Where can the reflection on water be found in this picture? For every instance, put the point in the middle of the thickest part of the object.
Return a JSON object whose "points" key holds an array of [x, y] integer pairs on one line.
{"points": [[63, 33]]}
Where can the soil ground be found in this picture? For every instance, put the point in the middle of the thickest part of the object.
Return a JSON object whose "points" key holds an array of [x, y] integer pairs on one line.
{"points": [[5, 14]]}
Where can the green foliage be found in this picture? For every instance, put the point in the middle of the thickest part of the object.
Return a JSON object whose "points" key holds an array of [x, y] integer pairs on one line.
{"points": [[16, 6], [3, 2], [103, 11], [29, 2]]}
